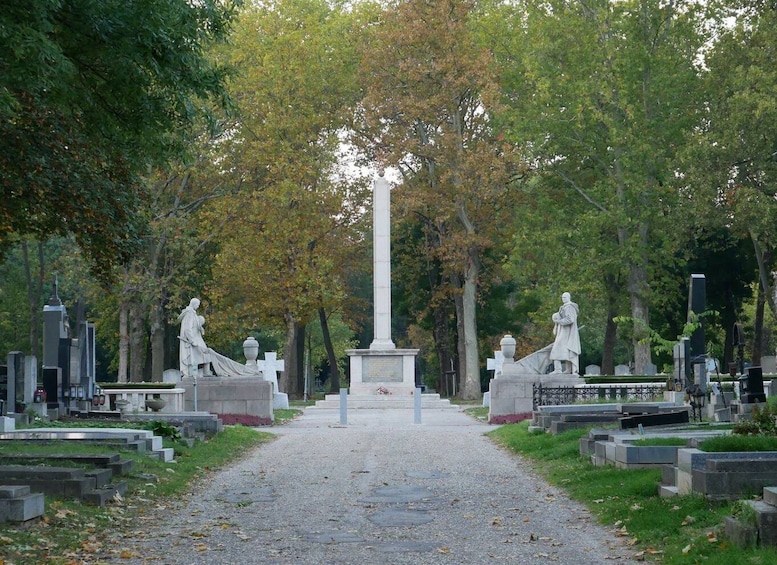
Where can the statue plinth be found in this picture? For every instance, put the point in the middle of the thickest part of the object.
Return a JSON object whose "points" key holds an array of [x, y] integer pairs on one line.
{"points": [[387, 371]]}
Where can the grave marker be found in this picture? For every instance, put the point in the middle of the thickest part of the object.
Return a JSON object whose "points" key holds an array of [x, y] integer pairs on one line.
{"points": [[697, 304], [496, 363], [270, 366]]}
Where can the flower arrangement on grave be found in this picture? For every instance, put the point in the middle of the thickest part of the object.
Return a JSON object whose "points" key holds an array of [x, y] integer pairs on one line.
{"points": [[383, 390]]}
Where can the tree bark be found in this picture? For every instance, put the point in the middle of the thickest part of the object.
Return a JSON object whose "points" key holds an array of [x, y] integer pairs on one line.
{"points": [[157, 342], [471, 381], [137, 343], [34, 293], [123, 341], [613, 289], [758, 327], [334, 370], [443, 344], [292, 378]]}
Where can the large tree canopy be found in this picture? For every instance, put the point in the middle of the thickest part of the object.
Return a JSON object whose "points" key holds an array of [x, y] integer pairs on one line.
{"points": [[91, 94]]}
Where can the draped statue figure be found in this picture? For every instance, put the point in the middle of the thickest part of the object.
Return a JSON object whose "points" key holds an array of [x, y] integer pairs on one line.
{"points": [[566, 346]]}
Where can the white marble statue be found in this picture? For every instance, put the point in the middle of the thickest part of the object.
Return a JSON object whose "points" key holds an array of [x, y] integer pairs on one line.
{"points": [[199, 360], [194, 355], [566, 346]]}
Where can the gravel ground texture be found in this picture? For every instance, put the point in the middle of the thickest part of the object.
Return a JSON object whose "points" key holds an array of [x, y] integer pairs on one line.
{"points": [[380, 489]]}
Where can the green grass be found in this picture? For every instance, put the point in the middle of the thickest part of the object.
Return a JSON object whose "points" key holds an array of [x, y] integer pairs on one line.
{"points": [[682, 530], [282, 415], [71, 529], [650, 441], [735, 442], [479, 413]]}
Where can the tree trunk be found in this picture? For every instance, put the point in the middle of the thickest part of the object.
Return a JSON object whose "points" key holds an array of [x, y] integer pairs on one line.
{"points": [[443, 344], [34, 293], [123, 341], [471, 381], [334, 370], [758, 327], [292, 378], [613, 290], [639, 296], [764, 271], [137, 343], [461, 350], [157, 341]]}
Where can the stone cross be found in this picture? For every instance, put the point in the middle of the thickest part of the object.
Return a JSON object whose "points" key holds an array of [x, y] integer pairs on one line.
{"points": [[495, 364], [270, 366]]}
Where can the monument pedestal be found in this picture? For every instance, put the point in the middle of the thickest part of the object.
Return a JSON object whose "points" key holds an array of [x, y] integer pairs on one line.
{"points": [[512, 392], [382, 371], [252, 396]]}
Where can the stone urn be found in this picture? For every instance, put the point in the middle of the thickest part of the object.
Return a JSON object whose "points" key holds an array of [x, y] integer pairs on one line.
{"points": [[156, 404], [123, 405], [251, 351], [508, 348]]}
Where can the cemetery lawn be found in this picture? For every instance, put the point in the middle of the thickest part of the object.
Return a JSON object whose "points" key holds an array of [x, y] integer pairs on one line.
{"points": [[681, 530], [284, 415], [70, 532]]}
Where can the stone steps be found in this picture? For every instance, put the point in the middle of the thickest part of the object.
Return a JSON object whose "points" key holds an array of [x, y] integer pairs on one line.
{"points": [[18, 504], [370, 401], [93, 486]]}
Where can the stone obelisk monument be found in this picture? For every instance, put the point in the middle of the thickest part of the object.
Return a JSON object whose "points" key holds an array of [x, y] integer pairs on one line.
{"points": [[382, 369]]}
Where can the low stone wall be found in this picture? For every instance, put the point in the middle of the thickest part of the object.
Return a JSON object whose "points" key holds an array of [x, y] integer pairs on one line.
{"points": [[231, 396]]}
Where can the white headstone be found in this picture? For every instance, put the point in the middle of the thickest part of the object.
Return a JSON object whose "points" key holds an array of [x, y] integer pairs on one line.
{"points": [[30, 377], [769, 364], [495, 364], [593, 370], [622, 370], [486, 399], [650, 369], [270, 366], [171, 376]]}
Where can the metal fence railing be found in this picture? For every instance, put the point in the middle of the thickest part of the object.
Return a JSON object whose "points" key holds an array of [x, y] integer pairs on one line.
{"points": [[553, 396]]}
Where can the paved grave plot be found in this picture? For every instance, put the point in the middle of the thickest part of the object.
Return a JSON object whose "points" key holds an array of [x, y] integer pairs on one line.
{"points": [[143, 441], [380, 490]]}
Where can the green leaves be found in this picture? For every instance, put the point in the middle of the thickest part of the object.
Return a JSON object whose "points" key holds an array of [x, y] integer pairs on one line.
{"points": [[92, 94]]}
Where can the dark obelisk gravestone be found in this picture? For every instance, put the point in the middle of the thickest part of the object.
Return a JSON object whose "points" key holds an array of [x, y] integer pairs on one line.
{"points": [[697, 304]]}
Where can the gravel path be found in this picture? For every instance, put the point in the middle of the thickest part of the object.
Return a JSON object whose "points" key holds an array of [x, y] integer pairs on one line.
{"points": [[380, 490]]}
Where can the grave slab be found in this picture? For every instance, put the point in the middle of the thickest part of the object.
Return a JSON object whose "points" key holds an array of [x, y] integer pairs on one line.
{"points": [[18, 504]]}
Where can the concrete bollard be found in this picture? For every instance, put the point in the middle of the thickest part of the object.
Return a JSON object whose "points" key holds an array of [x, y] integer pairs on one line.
{"points": [[343, 406], [417, 405]]}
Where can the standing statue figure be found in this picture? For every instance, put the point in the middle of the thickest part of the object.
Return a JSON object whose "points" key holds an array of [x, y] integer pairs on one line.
{"points": [[195, 356], [566, 346]]}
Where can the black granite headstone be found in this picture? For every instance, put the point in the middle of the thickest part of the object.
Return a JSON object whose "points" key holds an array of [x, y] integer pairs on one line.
{"points": [[753, 386], [697, 304]]}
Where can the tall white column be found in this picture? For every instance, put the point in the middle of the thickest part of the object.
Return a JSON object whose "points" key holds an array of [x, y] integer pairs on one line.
{"points": [[381, 249]]}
